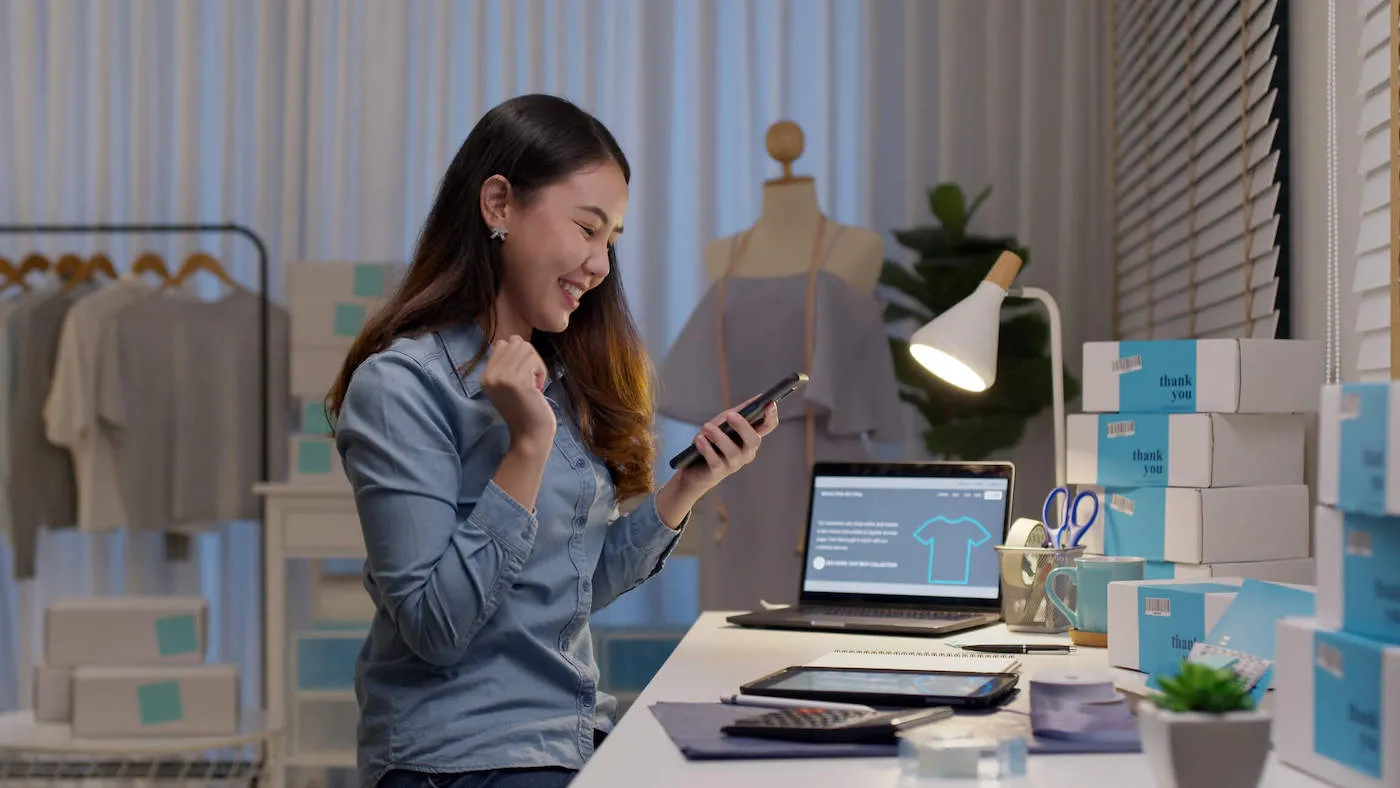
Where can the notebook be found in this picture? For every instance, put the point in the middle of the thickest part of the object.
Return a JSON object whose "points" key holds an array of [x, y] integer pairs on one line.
{"points": [[917, 659]]}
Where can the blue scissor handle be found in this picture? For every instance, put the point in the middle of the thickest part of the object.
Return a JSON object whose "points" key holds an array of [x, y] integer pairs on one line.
{"points": [[1073, 516], [1069, 521]]}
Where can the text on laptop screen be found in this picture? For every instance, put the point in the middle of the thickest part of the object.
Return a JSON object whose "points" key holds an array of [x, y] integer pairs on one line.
{"points": [[905, 536]]}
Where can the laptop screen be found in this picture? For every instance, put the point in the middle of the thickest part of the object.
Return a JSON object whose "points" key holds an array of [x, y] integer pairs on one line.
{"points": [[906, 535]]}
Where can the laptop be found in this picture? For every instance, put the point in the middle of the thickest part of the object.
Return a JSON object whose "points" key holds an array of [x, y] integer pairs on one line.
{"points": [[900, 548]]}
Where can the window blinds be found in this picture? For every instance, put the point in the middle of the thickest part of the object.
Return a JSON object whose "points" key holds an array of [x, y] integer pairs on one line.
{"points": [[1198, 176], [1374, 274]]}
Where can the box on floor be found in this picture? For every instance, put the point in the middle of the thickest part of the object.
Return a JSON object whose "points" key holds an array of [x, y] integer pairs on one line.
{"points": [[1201, 526], [1184, 450], [1202, 375]]}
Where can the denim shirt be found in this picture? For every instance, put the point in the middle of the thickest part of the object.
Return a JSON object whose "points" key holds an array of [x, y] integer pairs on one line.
{"points": [[480, 655]]}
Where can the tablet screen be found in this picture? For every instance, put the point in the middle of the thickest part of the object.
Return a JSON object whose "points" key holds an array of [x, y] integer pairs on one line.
{"points": [[943, 685]]}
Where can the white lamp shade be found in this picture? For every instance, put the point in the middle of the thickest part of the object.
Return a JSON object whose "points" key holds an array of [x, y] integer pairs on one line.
{"points": [[960, 345]]}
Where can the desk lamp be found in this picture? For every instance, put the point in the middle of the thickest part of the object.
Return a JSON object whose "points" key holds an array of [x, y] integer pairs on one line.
{"points": [[960, 345]]}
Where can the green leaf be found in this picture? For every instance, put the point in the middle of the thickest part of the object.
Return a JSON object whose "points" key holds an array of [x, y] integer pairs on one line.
{"points": [[895, 312], [948, 203], [974, 438], [904, 281], [977, 202]]}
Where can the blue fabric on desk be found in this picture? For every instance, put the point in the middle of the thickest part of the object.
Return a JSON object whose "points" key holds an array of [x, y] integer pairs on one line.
{"points": [[695, 730]]}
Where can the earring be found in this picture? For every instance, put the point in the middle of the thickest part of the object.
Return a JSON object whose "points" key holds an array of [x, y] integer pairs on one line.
{"points": [[499, 233]]}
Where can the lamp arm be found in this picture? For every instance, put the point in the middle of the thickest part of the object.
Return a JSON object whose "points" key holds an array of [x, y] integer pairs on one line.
{"points": [[1057, 371]]}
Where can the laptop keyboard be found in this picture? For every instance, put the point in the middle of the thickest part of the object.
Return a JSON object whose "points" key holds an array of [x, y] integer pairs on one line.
{"points": [[888, 612]]}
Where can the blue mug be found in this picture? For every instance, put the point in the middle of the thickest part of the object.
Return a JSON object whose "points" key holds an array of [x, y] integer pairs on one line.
{"points": [[1091, 575]]}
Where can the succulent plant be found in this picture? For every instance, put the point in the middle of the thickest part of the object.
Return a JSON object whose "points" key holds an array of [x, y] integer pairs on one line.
{"points": [[1202, 688]]}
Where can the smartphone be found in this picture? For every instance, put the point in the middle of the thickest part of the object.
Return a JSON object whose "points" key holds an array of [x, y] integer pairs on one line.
{"points": [[751, 412]]}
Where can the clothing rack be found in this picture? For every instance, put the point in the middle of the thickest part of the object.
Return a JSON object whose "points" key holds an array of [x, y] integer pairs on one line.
{"points": [[264, 357]]}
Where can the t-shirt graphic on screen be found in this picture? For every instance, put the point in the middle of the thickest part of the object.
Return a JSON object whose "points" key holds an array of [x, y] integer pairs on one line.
{"points": [[906, 536], [950, 543]]}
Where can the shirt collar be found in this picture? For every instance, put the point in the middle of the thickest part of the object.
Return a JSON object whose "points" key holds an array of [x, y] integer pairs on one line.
{"points": [[464, 342]]}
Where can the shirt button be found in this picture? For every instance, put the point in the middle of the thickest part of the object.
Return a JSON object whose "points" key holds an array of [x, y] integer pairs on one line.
{"points": [[579, 464]]}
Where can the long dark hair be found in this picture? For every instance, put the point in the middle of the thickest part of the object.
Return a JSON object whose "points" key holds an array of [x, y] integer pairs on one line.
{"points": [[533, 141]]}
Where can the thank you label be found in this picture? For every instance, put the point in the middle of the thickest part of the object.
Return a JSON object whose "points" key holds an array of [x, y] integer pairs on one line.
{"points": [[1370, 583], [1133, 450], [1364, 431], [1171, 619], [1157, 376], [1347, 696], [1135, 522]]}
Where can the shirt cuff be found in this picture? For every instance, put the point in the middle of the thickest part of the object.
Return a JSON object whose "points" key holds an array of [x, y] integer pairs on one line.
{"points": [[509, 523], [647, 531]]}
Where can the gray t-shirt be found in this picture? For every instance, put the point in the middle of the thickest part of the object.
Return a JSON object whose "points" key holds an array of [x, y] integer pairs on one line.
{"points": [[42, 487]]}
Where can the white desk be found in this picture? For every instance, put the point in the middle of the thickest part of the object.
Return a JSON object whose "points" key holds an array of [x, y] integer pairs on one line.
{"points": [[715, 658]]}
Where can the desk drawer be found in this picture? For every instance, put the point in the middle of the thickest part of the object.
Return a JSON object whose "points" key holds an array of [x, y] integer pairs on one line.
{"points": [[324, 524]]}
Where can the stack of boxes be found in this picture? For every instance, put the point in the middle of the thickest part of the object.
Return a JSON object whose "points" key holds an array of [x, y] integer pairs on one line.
{"points": [[1196, 451], [133, 666], [329, 303], [1338, 675]]}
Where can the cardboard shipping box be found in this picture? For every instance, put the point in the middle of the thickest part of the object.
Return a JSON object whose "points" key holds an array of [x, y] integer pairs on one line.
{"points": [[1203, 376], [1201, 526], [190, 700], [1292, 571], [1358, 448], [1185, 449], [1337, 705], [53, 694], [1152, 624], [1358, 574], [125, 630]]}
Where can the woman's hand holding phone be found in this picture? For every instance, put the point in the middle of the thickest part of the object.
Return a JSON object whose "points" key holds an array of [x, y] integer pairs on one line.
{"points": [[722, 457]]}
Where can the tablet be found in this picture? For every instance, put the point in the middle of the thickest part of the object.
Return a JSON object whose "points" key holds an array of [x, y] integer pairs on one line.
{"points": [[886, 687]]}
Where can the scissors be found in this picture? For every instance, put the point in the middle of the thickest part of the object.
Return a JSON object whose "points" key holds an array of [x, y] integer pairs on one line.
{"points": [[1069, 524]]}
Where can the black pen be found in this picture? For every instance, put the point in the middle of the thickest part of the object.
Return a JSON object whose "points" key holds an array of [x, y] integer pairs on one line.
{"points": [[1020, 648]]}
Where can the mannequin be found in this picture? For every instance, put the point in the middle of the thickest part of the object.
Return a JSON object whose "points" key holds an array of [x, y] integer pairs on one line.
{"points": [[793, 292], [790, 212]]}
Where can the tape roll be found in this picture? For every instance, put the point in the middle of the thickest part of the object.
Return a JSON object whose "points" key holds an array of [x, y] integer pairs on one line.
{"points": [[1026, 532], [1069, 702]]}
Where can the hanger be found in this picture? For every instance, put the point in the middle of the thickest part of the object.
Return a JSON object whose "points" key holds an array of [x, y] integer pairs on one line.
{"points": [[100, 264], [151, 263], [34, 262], [202, 262], [8, 273], [70, 270]]}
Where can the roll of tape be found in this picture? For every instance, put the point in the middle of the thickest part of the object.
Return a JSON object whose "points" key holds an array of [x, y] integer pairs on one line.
{"points": [[1067, 702], [1026, 532]]}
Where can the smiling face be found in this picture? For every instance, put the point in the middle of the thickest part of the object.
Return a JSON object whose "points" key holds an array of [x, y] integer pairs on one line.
{"points": [[557, 247]]}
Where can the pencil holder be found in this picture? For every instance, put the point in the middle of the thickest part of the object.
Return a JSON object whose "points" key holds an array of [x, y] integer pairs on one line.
{"points": [[1025, 606]]}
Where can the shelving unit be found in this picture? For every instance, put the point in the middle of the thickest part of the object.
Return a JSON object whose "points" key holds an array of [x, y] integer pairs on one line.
{"points": [[313, 522]]}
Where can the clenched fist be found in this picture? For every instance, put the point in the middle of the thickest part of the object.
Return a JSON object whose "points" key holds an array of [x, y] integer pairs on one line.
{"points": [[514, 381]]}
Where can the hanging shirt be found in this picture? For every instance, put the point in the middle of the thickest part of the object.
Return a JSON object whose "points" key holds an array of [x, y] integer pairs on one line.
{"points": [[70, 414], [41, 484], [219, 447], [7, 308]]}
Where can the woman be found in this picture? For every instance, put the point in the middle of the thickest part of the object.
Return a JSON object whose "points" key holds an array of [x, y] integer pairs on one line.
{"points": [[490, 417]]}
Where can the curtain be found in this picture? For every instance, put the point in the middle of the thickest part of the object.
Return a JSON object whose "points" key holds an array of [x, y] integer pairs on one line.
{"points": [[326, 124]]}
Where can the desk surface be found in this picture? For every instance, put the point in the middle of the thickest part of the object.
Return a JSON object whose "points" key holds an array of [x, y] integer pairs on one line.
{"points": [[715, 658]]}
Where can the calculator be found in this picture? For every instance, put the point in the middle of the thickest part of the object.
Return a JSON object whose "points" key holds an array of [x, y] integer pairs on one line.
{"points": [[834, 725]]}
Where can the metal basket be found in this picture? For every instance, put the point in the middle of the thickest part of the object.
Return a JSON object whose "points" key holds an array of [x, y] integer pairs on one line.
{"points": [[1025, 606]]}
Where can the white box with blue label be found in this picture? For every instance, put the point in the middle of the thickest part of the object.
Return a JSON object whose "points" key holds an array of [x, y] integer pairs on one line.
{"points": [[1358, 580], [1202, 376], [125, 630], [130, 702], [1292, 571], [1201, 526], [1185, 449], [1358, 448], [1337, 705], [1152, 624]]}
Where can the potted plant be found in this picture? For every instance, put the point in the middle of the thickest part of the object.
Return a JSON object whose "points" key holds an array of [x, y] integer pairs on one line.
{"points": [[951, 261], [1203, 731]]}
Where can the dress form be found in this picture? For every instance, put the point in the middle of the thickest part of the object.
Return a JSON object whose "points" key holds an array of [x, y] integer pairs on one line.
{"points": [[779, 242]]}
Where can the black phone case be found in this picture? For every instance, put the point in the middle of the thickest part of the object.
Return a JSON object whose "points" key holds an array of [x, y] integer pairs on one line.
{"points": [[751, 413]]}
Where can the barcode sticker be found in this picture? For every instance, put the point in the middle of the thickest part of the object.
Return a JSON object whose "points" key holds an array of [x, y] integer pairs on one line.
{"points": [[1122, 503], [1351, 406], [1127, 364], [1358, 542], [1121, 429], [1157, 606], [1329, 658]]}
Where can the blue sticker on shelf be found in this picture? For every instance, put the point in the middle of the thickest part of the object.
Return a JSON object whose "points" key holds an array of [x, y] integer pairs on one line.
{"points": [[1348, 685], [1158, 376], [313, 419], [1134, 449], [369, 280], [177, 635], [1135, 522], [328, 663], [314, 457], [159, 702], [349, 319], [1364, 433]]}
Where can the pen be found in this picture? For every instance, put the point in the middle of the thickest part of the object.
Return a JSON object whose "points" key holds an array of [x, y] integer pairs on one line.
{"points": [[788, 703], [1020, 648]]}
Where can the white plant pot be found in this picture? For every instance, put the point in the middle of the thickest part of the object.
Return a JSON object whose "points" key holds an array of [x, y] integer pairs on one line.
{"points": [[1199, 750]]}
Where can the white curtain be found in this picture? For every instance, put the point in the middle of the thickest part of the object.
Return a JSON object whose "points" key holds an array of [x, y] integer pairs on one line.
{"points": [[326, 124]]}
